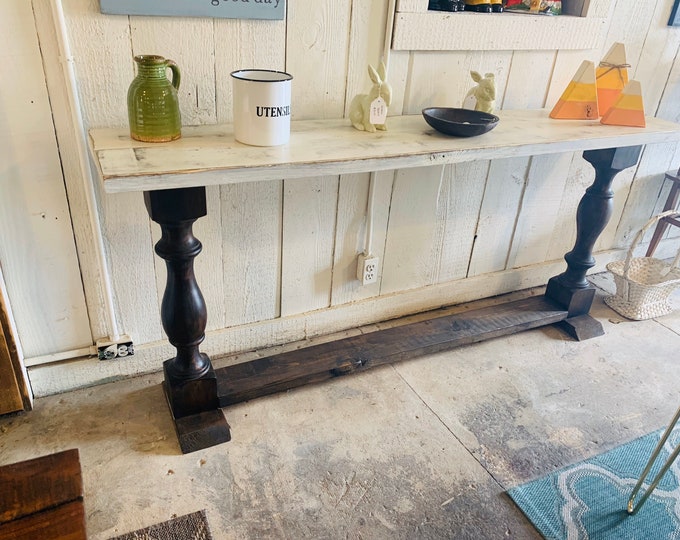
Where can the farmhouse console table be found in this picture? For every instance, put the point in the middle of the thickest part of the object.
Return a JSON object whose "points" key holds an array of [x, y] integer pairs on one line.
{"points": [[173, 177]]}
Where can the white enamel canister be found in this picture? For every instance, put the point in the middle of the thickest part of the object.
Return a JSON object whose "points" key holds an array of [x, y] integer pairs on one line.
{"points": [[261, 106]]}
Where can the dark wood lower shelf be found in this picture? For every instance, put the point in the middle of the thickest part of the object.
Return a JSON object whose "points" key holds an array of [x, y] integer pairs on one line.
{"points": [[318, 363]]}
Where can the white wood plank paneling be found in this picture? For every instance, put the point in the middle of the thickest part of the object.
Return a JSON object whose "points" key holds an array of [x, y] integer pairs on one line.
{"points": [[309, 208], [647, 191], [251, 214], [565, 67], [76, 186], [398, 75], [661, 94], [503, 193], [441, 79], [415, 231], [629, 24], [367, 38], [316, 55], [350, 238], [460, 202], [189, 42], [350, 232], [366, 47], [245, 44], [540, 204], [103, 61], [536, 66], [105, 68], [657, 57], [251, 251], [580, 176], [37, 250]]}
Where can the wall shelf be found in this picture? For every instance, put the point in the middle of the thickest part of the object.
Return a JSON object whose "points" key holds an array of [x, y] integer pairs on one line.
{"points": [[417, 29], [209, 155]]}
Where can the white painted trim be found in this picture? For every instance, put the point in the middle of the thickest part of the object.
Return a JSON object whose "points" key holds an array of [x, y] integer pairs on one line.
{"points": [[60, 356]]}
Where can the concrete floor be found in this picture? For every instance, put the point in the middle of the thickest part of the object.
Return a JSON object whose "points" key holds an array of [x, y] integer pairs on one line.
{"points": [[422, 449]]}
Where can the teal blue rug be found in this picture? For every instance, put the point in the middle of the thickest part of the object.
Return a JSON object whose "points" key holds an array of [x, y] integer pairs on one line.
{"points": [[587, 501]]}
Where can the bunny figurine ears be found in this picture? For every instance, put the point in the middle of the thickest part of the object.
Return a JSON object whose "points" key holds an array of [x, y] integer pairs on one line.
{"points": [[368, 112]]}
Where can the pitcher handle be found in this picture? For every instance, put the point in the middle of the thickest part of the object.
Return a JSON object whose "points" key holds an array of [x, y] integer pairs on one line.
{"points": [[176, 77]]}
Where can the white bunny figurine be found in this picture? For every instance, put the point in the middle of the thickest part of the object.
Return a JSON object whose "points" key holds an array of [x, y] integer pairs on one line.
{"points": [[484, 92], [360, 108]]}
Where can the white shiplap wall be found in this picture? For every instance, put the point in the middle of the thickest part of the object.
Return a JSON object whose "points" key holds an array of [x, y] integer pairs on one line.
{"points": [[279, 257], [37, 251]]}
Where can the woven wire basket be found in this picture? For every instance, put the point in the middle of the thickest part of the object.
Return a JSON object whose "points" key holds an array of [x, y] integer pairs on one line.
{"points": [[644, 284]]}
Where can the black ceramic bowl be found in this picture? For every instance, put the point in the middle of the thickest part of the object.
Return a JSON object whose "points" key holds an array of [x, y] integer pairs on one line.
{"points": [[459, 122]]}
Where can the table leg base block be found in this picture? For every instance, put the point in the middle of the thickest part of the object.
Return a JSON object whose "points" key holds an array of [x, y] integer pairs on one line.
{"points": [[575, 301], [203, 430], [190, 397], [581, 327]]}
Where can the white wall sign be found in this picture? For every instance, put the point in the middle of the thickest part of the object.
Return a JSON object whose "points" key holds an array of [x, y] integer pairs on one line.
{"points": [[228, 9]]}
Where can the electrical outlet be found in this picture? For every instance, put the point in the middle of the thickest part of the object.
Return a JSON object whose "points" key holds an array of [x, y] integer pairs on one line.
{"points": [[367, 269], [108, 349]]}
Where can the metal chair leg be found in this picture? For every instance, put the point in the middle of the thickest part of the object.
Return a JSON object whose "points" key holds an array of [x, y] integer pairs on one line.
{"points": [[632, 507]]}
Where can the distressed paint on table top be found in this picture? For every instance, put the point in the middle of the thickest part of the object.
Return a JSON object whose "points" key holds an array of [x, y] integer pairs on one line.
{"points": [[209, 155]]}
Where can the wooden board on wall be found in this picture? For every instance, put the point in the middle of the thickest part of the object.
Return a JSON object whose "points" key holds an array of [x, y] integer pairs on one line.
{"points": [[10, 396], [14, 394]]}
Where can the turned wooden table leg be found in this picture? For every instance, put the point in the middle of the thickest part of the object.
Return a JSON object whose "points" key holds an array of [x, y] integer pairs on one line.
{"points": [[190, 381], [571, 289]]}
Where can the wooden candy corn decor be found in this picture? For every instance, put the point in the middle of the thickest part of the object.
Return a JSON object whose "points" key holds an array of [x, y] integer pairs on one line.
{"points": [[628, 109], [612, 76], [579, 100]]}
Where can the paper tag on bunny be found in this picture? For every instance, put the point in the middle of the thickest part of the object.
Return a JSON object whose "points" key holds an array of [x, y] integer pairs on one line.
{"points": [[470, 103], [378, 111]]}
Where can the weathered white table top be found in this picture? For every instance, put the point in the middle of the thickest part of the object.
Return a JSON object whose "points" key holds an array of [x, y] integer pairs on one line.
{"points": [[208, 155]]}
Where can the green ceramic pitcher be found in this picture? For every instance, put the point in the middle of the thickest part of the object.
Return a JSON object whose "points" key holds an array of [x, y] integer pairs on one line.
{"points": [[153, 107]]}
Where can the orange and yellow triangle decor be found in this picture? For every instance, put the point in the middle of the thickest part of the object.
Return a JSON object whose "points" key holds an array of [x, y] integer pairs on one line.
{"points": [[612, 76], [579, 100], [628, 110]]}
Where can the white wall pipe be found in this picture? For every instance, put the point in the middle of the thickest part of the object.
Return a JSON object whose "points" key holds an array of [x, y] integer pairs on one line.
{"points": [[389, 23], [81, 143], [368, 245]]}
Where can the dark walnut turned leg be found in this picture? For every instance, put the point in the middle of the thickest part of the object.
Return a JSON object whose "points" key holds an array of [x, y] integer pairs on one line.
{"points": [[571, 289], [190, 382]]}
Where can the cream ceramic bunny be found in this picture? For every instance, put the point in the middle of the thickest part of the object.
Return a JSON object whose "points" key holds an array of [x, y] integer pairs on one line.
{"points": [[484, 92], [360, 108]]}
